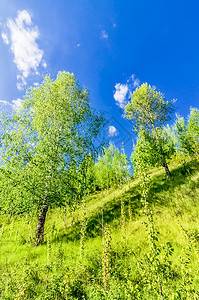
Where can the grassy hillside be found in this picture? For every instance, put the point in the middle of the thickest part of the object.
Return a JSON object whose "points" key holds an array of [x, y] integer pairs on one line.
{"points": [[108, 248]]}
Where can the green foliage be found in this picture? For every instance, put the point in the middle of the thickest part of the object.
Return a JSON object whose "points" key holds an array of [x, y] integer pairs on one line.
{"points": [[193, 128], [148, 108], [158, 262], [153, 150], [149, 111], [106, 258], [46, 147], [48, 161], [47, 141], [112, 168], [85, 179], [187, 135], [184, 144]]}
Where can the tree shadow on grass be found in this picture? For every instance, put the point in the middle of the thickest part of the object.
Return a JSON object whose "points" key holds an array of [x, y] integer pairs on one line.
{"points": [[180, 176], [111, 212]]}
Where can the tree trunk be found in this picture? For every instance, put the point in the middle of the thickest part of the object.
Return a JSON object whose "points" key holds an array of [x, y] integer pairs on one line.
{"points": [[40, 224], [168, 173]]}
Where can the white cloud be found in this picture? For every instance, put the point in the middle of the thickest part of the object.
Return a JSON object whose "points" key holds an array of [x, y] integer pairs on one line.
{"points": [[133, 81], [124, 91], [136, 82], [21, 35], [5, 38], [104, 35], [5, 102], [120, 94], [78, 45], [112, 131], [17, 103], [44, 64], [21, 82]]}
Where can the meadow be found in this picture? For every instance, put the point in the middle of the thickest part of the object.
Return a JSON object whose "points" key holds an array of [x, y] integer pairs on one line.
{"points": [[109, 247]]}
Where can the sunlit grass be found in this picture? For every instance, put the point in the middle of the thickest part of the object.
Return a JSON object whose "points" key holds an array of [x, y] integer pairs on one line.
{"points": [[175, 207]]}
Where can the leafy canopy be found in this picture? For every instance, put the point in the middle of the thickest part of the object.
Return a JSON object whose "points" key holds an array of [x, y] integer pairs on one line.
{"points": [[45, 142], [152, 151], [149, 111], [148, 108]]}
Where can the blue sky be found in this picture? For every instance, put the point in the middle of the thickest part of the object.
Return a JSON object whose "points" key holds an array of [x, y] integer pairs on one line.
{"points": [[111, 46]]}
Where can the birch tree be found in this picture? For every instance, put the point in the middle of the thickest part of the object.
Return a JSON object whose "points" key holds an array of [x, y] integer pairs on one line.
{"points": [[150, 111], [49, 138], [112, 168]]}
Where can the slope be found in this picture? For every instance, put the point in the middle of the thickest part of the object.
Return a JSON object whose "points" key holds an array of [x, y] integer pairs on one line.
{"points": [[108, 248]]}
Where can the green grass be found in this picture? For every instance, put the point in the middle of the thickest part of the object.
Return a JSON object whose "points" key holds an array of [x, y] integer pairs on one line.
{"points": [[56, 270]]}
